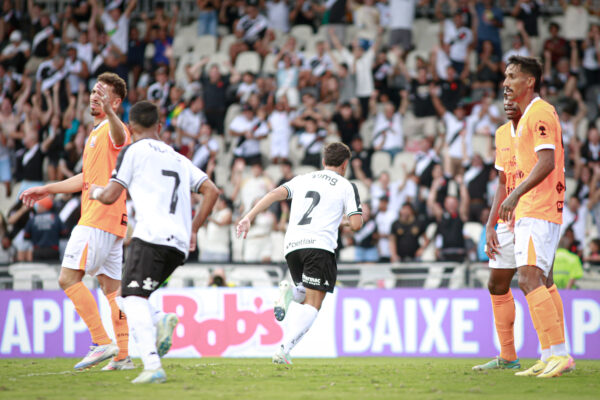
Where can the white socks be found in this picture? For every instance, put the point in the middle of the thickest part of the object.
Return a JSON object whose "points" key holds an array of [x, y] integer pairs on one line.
{"points": [[157, 314], [139, 318], [300, 324], [559, 349], [299, 293], [546, 353]]}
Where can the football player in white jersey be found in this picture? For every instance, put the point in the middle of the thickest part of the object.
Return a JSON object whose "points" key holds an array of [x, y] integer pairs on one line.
{"points": [[159, 181], [320, 200]]}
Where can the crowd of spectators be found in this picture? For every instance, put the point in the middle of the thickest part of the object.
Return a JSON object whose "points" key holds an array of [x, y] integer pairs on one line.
{"points": [[417, 101]]}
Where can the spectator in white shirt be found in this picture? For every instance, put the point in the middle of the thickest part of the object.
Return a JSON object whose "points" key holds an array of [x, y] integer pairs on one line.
{"points": [[16, 53], [246, 87], [457, 41], [388, 134], [521, 45], [188, 126], [311, 140], [116, 23], [206, 151], [278, 14], [248, 130], [280, 128], [254, 32]]}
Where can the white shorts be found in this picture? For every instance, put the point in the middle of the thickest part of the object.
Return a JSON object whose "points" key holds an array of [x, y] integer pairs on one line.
{"points": [[505, 258], [94, 251], [536, 241]]}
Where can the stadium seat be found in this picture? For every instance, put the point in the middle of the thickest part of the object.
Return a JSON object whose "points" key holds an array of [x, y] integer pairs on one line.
{"points": [[205, 45], [269, 67], [347, 254], [248, 61], [481, 144], [251, 276], [302, 33], [188, 58], [473, 231], [189, 276], [403, 163], [181, 44], [232, 111], [366, 131], [273, 171], [226, 42], [296, 152], [311, 43], [380, 161], [303, 169], [26, 275], [428, 38], [221, 60], [571, 185]]}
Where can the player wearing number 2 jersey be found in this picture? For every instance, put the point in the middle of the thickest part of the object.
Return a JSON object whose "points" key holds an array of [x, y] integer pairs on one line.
{"points": [[159, 181], [319, 202]]}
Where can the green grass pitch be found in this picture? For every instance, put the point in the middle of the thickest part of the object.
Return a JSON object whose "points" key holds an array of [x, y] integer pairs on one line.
{"points": [[342, 378]]}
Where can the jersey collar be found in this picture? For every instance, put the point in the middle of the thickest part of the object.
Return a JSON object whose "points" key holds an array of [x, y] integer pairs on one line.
{"points": [[536, 98]]}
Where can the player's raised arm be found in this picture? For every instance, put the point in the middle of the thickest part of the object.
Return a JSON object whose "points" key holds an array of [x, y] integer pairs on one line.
{"points": [[278, 194], [117, 130]]}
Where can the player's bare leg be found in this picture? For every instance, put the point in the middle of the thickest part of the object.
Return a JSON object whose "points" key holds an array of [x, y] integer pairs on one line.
{"points": [[300, 323], [87, 308]]}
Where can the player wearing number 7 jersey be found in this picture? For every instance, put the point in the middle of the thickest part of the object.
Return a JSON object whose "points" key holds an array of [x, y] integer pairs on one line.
{"points": [[320, 200], [159, 181]]}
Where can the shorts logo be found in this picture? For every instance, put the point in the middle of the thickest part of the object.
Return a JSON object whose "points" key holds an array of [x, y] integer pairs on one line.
{"points": [[149, 284], [311, 281], [133, 284], [559, 206], [326, 283], [560, 187]]}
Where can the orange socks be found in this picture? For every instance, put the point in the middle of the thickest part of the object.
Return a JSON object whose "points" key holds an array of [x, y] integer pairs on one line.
{"points": [[504, 318], [87, 308], [558, 304], [120, 325], [543, 310]]}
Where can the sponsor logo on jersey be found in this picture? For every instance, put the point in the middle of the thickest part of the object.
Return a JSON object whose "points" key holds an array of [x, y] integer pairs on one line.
{"points": [[93, 141], [332, 181], [559, 206], [541, 128], [301, 242], [560, 187]]}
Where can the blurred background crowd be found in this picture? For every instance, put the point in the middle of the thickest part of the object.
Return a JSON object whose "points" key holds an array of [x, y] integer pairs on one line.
{"points": [[251, 90]]}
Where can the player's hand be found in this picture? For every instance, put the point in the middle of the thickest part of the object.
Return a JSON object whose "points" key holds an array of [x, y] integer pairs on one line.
{"points": [[91, 191], [104, 98], [193, 241], [491, 242], [243, 227], [32, 195], [508, 206]]}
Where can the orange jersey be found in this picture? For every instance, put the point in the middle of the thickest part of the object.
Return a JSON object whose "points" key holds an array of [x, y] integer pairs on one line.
{"points": [[539, 129], [99, 161], [506, 160]]}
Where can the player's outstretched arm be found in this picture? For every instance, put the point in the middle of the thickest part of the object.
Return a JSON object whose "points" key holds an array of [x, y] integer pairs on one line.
{"points": [[543, 167], [278, 194], [491, 237], [106, 195], [71, 185]]}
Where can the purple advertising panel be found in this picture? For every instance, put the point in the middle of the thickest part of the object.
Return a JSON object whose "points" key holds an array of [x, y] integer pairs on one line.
{"points": [[451, 323], [239, 322]]}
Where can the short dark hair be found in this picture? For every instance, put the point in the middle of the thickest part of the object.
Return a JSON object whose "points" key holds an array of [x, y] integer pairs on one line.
{"points": [[336, 153], [530, 66], [116, 82], [144, 114]]}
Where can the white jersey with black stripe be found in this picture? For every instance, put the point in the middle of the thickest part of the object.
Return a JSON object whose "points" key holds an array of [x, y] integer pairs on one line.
{"points": [[319, 201], [159, 181]]}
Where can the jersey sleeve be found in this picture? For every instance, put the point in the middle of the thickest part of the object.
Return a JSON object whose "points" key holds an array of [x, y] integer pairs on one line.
{"points": [[289, 186], [197, 176], [499, 163], [352, 201], [123, 172], [546, 131]]}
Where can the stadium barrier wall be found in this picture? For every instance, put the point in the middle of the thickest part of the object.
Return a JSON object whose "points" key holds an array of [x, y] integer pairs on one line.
{"points": [[239, 322]]}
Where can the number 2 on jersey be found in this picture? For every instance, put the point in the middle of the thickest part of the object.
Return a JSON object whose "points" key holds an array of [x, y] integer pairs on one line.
{"points": [[174, 198], [316, 197]]}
